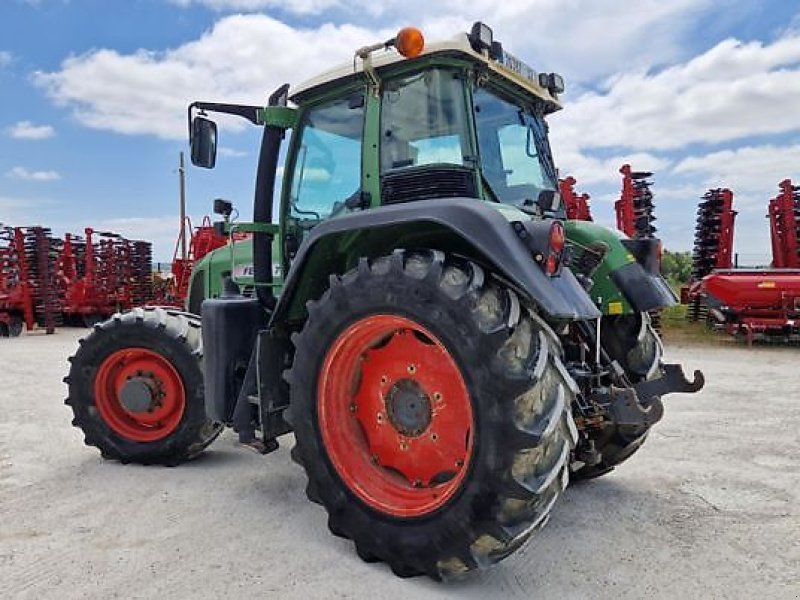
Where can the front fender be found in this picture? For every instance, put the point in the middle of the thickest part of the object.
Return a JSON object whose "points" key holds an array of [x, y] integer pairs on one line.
{"points": [[625, 272], [463, 226]]}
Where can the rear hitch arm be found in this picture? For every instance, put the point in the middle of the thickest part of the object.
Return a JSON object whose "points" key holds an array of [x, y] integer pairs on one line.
{"points": [[672, 380], [640, 406], [627, 410]]}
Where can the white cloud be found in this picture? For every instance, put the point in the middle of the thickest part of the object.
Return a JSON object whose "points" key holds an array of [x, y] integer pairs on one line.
{"points": [[25, 130], [28, 175], [300, 7], [591, 170], [557, 35], [6, 58], [241, 59], [751, 169], [752, 173], [244, 57], [732, 91]]}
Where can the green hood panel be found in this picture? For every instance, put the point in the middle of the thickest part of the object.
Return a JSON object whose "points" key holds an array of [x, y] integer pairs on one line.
{"points": [[586, 239]]}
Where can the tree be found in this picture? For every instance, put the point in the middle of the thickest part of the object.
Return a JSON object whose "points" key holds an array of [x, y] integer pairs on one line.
{"points": [[676, 267]]}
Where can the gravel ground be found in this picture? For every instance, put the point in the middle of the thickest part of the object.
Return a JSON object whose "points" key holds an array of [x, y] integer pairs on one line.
{"points": [[709, 508]]}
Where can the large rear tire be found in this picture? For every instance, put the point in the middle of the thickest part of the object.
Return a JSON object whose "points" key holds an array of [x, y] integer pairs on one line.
{"points": [[136, 388], [635, 345], [432, 414]]}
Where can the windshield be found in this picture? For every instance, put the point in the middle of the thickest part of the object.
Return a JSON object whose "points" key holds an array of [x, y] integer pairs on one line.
{"points": [[515, 153]]}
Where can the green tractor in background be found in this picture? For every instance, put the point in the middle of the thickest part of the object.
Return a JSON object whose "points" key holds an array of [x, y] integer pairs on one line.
{"points": [[446, 349]]}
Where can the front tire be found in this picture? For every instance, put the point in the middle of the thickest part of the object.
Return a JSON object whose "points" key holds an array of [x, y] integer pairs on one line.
{"points": [[136, 388], [431, 412]]}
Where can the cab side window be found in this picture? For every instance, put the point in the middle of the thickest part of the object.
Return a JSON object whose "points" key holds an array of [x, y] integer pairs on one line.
{"points": [[327, 167]]}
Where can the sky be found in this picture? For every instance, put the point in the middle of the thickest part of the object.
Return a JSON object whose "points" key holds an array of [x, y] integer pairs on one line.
{"points": [[93, 97]]}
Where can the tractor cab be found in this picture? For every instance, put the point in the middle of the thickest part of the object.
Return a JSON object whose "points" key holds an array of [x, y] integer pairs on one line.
{"points": [[404, 122], [454, 119]]}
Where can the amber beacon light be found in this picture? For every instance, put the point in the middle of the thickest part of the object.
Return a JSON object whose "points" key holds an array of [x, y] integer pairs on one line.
{"points": [[409, 42]]}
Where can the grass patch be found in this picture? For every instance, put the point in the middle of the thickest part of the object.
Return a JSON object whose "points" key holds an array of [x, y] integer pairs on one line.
{"points": [[676, 329]]}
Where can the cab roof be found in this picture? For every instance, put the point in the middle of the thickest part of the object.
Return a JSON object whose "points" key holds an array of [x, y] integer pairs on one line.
{"points": [[458, 46]]}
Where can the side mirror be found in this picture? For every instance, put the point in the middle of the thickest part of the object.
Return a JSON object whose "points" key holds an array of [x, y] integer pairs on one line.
{"points": [[203, 142], [223, 207], [549, 200]]}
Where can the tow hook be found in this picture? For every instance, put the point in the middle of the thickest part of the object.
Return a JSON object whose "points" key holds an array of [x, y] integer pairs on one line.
{"points": [[641, 406]]}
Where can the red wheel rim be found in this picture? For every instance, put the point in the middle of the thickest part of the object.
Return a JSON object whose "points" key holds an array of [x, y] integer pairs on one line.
{"points": [[395, 416], [150, 371]]}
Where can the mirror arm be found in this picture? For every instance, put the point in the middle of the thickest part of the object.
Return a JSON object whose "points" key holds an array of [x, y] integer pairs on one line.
{"points": [[240, 110]]}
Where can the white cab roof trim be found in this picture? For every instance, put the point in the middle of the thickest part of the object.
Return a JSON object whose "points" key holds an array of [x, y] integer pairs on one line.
{"points": [[460, 43]]}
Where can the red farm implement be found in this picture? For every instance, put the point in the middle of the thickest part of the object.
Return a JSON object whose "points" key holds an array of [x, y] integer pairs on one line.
{"points": [[784, 220], [635, 213], [576, 206], [635, 208], [713, 246], [748, 302], [16, 303], [102, 273], [28, 294], [45, 280], [204, 239], [172, 291]]}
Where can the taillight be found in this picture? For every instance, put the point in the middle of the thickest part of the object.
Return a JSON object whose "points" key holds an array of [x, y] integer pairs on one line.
{"points": [[556, 241], [557, 237]]}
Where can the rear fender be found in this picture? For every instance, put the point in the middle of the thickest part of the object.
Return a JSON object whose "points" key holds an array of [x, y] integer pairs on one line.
{"points": [[463, 226]]}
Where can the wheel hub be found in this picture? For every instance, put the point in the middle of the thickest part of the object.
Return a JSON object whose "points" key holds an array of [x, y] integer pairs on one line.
{"points": [[408, 408], [395, 415], [138, 395]]}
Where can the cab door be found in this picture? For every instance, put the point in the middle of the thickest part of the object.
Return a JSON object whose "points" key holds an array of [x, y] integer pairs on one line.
{"points": [[324, 169]]}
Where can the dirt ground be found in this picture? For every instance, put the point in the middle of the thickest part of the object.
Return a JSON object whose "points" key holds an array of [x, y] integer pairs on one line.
{"points": [[710, 507]]}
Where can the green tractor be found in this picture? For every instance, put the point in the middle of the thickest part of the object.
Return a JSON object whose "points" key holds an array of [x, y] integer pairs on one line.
{"points": [[447, 350]]}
